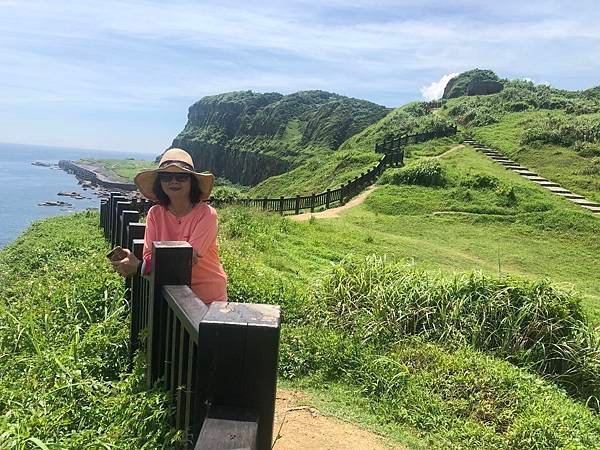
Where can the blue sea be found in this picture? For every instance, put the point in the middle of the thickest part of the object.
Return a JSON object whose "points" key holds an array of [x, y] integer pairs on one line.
{"points": [[23, 185]]}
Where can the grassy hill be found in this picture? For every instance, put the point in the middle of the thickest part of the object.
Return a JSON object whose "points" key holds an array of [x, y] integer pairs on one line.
{"points": [[353, 156], [270, 133], [554, 132]]}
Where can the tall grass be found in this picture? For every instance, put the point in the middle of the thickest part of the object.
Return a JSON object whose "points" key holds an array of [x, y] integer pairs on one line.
{"points": [[64, 329], [531, 324]]}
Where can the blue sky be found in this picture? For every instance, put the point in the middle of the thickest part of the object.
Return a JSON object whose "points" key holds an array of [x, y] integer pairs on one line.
{"points": [[120, 75]]}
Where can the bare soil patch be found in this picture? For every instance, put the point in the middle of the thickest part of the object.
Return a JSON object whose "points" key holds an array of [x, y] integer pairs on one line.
{"points": [[335, 212], [298, 425]]}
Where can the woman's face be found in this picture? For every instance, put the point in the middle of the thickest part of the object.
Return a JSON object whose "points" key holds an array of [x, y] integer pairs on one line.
{"points": [[176, 185]]}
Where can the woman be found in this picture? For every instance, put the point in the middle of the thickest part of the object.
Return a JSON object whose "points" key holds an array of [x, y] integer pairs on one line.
{"points": [[181, 215]]}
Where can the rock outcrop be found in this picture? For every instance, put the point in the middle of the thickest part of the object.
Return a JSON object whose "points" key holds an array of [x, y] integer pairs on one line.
{"points": [[473, 82], [248, 137]]}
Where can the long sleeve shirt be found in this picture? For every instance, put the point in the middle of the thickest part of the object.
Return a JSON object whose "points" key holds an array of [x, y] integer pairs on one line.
{"points": [[199, 228]]}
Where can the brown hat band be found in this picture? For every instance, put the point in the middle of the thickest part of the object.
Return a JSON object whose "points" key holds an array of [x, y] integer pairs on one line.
{"points": [[181, 164]]}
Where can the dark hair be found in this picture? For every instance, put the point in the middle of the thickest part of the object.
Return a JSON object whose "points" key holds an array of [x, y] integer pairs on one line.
{"points": [[163, 198]]}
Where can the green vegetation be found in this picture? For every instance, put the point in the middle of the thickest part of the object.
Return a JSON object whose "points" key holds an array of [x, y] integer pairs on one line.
{"points": [[355, 156], [63, 347], [463, 84], [551, 131], [417, 349], [426, 172], [288, 127], [402, 344], [455, 308], [565, 165], [119, 169], [517, 96]]}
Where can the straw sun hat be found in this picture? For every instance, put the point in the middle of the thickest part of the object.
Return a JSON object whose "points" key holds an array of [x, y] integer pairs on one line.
{"points": [[174, 160]]}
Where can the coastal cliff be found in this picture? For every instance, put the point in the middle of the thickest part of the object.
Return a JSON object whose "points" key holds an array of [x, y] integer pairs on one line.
{"points": [[248, 137]]}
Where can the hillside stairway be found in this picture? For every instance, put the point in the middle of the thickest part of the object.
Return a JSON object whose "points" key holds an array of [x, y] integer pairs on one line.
{"points": [[553, 187]]}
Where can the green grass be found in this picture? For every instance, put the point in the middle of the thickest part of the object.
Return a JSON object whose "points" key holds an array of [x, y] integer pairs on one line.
{"points": [[63, 325], [63, 347], [540, 236], [329, 169], [557, 163], [124, 169]]}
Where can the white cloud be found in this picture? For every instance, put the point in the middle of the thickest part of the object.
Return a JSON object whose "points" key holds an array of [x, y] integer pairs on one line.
{"points": [[435, 90]]}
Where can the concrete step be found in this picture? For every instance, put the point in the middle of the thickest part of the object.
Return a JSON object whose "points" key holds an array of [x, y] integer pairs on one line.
{"points": [[516, 167], [585, 202], [569, 195], [525, 172], [502, 160], [559, 190], [535, 178], [547, 183], [594, 209]]}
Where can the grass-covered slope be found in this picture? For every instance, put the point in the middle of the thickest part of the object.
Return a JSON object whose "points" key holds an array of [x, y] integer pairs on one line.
{"points": [[419, 355], [551, 131], [63, 346], [410, 360], [281, 125], [354, 156], [118, 169], [286, 127]]}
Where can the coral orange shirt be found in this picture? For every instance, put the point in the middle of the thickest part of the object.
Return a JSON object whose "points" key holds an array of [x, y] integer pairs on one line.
{"points": [[199, 228]]}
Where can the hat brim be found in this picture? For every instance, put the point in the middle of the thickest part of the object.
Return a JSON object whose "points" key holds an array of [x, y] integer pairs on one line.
{"points": [[145, 181]]}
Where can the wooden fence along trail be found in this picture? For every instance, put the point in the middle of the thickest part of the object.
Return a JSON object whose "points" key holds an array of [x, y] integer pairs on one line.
{"points": [[393, 156], [218, 362]]}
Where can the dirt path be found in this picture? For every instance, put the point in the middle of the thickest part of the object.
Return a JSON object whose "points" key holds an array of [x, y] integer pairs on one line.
{"points": [[299, 426], [335, 212], [452, 150]]}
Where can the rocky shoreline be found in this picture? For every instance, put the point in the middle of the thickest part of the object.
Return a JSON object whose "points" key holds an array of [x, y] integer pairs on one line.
{"points": [[90, 177]]}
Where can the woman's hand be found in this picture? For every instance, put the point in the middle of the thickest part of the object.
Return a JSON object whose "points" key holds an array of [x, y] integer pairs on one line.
{"points": [[195, 257], [127, 266]]}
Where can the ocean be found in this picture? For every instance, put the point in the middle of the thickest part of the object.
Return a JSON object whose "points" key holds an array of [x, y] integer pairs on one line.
{"points": [[23, 185]]}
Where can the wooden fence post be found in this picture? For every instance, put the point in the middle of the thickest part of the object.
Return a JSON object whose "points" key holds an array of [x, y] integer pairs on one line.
{"points": [[240, 344], [111, 213], [297, 207], [171, 264], [135, 284], [127, 216], [281, 205], [120, 206], [103, 211], [327, 198], [312, 203]]}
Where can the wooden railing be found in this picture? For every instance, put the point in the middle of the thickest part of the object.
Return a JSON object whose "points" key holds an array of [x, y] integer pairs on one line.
{"points": [[218, 362], [395, 144]]}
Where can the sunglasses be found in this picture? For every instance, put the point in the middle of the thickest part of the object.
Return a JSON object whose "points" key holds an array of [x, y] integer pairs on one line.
{"points": [[167, 177]]}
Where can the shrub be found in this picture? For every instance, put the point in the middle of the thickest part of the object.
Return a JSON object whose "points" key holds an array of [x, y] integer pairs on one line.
{"points": [[506, 195], [426, 172], [480, 181], [532, 324]]}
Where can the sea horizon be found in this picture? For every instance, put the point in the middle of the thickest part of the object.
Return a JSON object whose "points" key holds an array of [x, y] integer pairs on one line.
{"points": [[24, 186]]}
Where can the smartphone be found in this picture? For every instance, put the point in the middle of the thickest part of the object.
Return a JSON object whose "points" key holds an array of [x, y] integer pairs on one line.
{"points": [[116, 254]]}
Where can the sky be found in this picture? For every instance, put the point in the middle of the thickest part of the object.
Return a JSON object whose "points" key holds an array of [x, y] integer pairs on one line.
{"points": [[120, 75]]}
